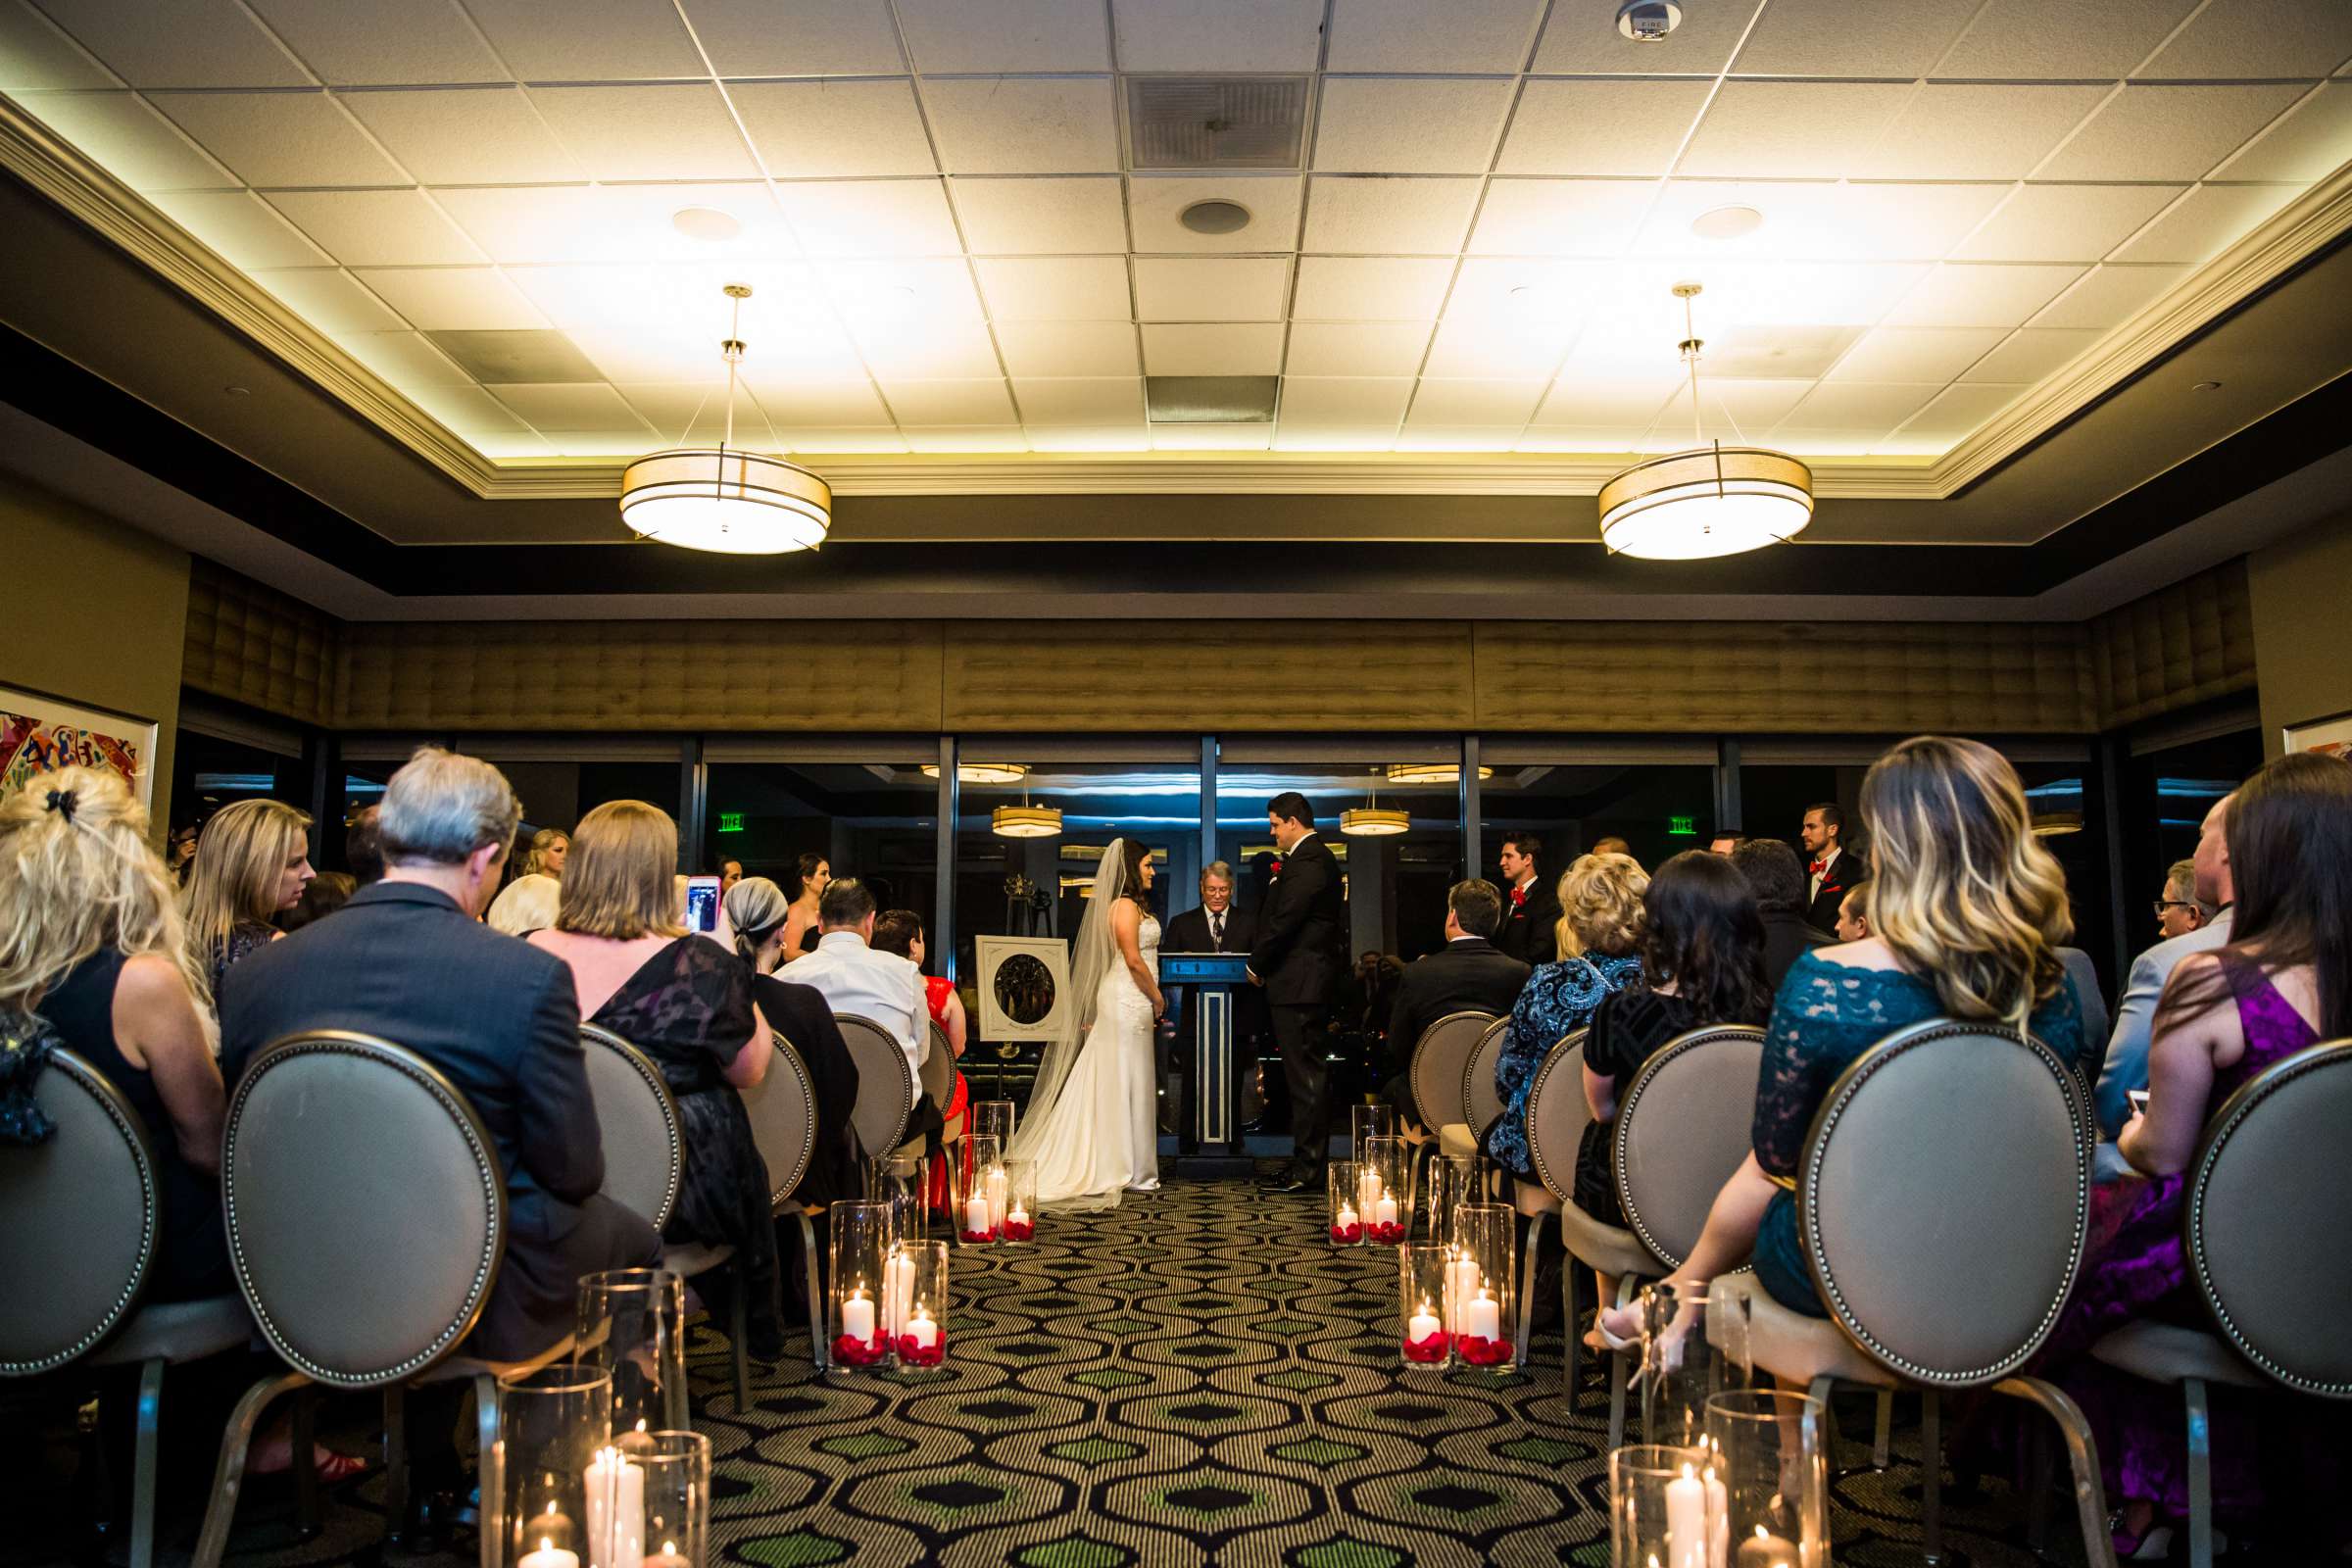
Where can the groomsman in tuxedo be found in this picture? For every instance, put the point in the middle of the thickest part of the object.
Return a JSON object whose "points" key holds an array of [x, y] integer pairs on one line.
{"points": [[1531, 902], [1216, 926], [1299, 956], [1834, 871]]}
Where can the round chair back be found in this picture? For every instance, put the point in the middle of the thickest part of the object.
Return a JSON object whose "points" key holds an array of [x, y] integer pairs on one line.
{"points": [[783, 1109], [645, 1154], [1945, 1195], [79, 1219], [1482, 1101], [885, 1085], [939, 1067], [1437, 1065], [1556, 1116], [2268, 1239], [1688, 1121], [366, 1206]]}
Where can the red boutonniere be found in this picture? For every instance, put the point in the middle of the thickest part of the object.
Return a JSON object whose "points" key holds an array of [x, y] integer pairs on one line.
{"points": [[1278, 868]]}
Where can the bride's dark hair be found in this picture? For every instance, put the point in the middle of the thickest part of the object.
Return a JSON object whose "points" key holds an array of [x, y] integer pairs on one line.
{"points": [[1133, 853]]}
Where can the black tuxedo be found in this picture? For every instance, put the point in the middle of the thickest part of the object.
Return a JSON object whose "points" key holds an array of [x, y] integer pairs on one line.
{"points": [[1530, 932], [1787, 937], [500, 1019], [1835, 883], [1300, 954], [1471, 975]]}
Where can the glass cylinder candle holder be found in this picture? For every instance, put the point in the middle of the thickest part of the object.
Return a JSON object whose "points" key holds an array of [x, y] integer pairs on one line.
{"points": [[1345, 1219], [1369, 1121], [1448, 1182], [1020, 1200], [1484, 1283], [1680, 1369], [979, 1192], [1769, 1453], [1385, 1177], [552, 1424], [900, 1181], [1421, 1306], [865, 1237], [1658, 1513], [920, 1334], [671, 1527], [631, 1323], [993, 1118]]}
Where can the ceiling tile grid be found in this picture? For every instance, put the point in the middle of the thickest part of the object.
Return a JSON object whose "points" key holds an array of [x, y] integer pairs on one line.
{"points": [[1901, 228]]}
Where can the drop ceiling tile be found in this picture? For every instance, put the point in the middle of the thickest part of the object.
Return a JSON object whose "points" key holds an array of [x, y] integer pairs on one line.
{"points": [[467, 409], [1497, 346], [1291, 437], [1212, 437], [2205, 222], [1419, 437], [1089, 438], [195, 43], [1155, 205], [350, 45], [1210, 289], [137, 145], [1860, 406], [1087, 403], [622, 442], [377, 228], [580, 406], [1517, 291], [1479, 37], [2063, 222], [1620, 125], [1606, 440], [589, 40], [1574, 401], [2027, 357], [870, 217], [1748, 406], [1055, 288], [2257, 39], [1788, 296], [37, 56], [980, 401], [1352, 288], [330, 300], [2167, 133], [964, 438], [1957, 412], [683, 301], [1380, 216], [1907, 222], [466, 136], [2036, 40], [1788, 129], [240, 228], [1041, 216], [2308, 142], [501, 445], [1776, 353], [1208, 35], [1069, 349], [1561, 217], [808, 38], [823, 439], [1410, 125], [1975, 131], [545, 223], [2109, 296], [664, 130], [404, 358], [454, 299], [1343, 401], [1915, 353], [281, 138], [919, 349], [1357, 349], [1584, 42], [804, 130], [673, 409], [1826, 38], [803, 402], [1023, 126], [903, 293], [1980, 295], [1817, 220], [1006, 36], [639, 223], [1476, 402], [1213, 350]]}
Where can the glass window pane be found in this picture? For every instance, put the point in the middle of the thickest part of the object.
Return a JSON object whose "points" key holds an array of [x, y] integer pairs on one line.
{"points": [[874, 819]]}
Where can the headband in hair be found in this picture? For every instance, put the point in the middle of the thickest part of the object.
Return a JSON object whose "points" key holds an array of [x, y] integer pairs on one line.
{"points": [[62, 803]]}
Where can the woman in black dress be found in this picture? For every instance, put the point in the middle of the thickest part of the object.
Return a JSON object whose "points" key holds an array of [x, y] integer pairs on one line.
{"points": [[757, 910]]}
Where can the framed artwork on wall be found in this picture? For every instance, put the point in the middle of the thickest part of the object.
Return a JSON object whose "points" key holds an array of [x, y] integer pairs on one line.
{"points": [[38, 733], [1024, 987], [2330, 737]]}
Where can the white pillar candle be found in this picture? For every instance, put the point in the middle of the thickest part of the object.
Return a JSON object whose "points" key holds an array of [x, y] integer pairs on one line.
{"points": [[975, 1215], [1424, 1326], [857, 1315], [667, 1557], [995, 1187], [921, 1329], [1017, 1214], [898, 1291], [1719, 1522], [550, 1555], [617, 1508], [1764, 1550], [1482, 1319], [1367, 1189], [1461, 1283], [1687, 1521], [1384, 1211], [1348, 1218]]}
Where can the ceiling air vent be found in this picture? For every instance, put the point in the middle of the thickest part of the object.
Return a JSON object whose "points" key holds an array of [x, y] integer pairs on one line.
{"points": [[1203, 123], [519, 356], [1209, 399]]}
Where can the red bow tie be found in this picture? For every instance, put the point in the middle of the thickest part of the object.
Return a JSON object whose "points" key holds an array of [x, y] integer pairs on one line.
{"points": [[1518, 897], [1820, 866]]}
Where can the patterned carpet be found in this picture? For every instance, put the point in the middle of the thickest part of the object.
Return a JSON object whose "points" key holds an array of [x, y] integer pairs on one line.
{"points": [[1194, 1377]]}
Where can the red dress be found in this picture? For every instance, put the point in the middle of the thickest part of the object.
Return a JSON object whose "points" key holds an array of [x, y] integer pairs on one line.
{"points": [[936, 991]]}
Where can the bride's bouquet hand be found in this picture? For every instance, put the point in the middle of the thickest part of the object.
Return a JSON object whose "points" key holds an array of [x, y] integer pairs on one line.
{"points": [[1160, 1005]]}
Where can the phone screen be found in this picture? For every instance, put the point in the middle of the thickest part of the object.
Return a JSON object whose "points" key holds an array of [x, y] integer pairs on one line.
{"points": [[702, 904], [2138, 1098]]}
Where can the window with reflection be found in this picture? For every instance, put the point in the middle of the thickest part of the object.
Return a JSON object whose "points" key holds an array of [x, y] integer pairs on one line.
{"points": [[1656, 796], [872, 816]]}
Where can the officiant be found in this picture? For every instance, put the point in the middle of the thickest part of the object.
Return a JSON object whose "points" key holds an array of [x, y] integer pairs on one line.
{"points": [[1219, 925]]}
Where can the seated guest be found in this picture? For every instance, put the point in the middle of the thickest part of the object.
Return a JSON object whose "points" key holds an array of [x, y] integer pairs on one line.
{"points": [[801, 931], [253, 862], [2179, 910], [1469, 974], [180, 852], [528, 902], [686, 1002], [857, 980], [1853, 913], [1772, 870], [2084, 975], [363, 845], [757, 909], [900, 932], [2280, 985], [2126, 1068], [1613, 844], [1599, 943], [327, 892]]}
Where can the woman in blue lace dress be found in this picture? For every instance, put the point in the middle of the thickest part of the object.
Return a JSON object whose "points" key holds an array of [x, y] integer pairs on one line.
{"points": [[1599, 938]]}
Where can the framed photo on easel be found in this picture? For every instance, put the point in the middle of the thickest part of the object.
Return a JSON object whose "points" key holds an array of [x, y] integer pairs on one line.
{"points": [[39, 733], [1024, 987]]}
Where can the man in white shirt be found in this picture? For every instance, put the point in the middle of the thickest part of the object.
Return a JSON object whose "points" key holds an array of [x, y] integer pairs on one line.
{"points": [[859, 982]]}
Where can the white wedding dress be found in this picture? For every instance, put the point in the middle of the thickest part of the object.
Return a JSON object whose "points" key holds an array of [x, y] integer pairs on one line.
{"points": [[1100, 1134]]}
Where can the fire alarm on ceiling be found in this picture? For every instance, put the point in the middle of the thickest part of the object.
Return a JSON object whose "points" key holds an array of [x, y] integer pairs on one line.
{"points": [[1648, 21]]}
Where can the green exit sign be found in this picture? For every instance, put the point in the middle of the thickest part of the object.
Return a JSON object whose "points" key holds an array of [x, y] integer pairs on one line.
{"points": [[1682, 827], [732, 821]]}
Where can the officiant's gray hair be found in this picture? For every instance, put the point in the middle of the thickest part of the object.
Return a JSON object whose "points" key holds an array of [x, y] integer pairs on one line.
{"points": [[1216, 868]]}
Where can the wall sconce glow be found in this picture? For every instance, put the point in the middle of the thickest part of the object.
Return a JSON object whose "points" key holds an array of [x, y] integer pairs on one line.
{"points": [[983, 772], [1025, 822], [1374, 823], [1431, 773]]}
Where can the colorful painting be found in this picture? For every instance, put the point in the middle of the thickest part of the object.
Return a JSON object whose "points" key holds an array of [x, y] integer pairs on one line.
{"points": [[39, 733], [2330, 737]]}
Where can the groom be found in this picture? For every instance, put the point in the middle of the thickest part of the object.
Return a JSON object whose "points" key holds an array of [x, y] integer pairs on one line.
{"points": [[1299, 956]]}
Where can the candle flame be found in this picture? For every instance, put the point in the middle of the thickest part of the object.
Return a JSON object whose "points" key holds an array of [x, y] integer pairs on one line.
{"points": [[545, 1544], [669, 1548], [640, 1427], [1687, 1472], [551, 1507], [1763, 1534]]}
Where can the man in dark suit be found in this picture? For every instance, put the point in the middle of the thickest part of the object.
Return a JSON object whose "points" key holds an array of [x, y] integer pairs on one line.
{"points": [[1300, 954], [1531, 902], [1469, 974], [407, 959], [1771, 869], [1835, 869], [1216, 926]]}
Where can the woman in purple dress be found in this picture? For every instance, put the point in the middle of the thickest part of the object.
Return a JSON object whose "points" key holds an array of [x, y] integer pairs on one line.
{"points": [[2284, 983]]}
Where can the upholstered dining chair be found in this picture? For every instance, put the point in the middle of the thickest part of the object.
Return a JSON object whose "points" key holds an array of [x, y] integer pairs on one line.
{"points": [[645, 1163], [2271, 1250], [886, 1088], [1434, 1070], [939, 1077], [782, 1108], [80, 1217], [1481, 1100], [1556, 1117], [367, 1216], [1944, 1206]]}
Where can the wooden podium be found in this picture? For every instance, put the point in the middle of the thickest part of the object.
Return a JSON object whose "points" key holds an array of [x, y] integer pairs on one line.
{"points": [[1213, 978]]}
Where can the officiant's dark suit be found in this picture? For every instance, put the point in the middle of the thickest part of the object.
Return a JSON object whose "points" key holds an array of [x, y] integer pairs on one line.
{"points": [[1469, 974], [1300, 954], [1194, 931]]}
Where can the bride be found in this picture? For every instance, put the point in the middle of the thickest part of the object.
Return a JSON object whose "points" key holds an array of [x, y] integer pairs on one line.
{"points": [[1092, 1126]]}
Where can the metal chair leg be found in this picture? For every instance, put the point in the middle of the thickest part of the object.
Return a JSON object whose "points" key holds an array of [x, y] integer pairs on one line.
{"points": [[2038, 1461], [396, 1464], [738, 1326], [490, 1471], [1930, 1477], [2200, 1474], [229, 1478], [817, 1299], [143, 1486], [308, 1517], [1618, 1371], [2082, 1454], [1526, 1289], [1881, 1440]]}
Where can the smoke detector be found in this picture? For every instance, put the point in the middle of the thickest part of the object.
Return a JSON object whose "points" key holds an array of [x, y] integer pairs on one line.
{"points": [[1648, 21]]}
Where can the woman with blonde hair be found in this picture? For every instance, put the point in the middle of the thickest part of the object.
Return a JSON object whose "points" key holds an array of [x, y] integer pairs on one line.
{"points": [[686, 1002], [253, 860], [528, 902], [549, 848]]}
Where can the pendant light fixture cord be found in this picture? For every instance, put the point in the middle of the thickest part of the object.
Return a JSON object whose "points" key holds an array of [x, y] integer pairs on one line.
{"points": [[1690, 348], [733, 350]]}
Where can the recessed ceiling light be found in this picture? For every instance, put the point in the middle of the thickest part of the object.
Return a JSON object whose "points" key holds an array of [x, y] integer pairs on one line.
{"points": [[1648, 21], [238, 391], [706, 223], [2206, 386], [1215, 215], [1727, 223]]}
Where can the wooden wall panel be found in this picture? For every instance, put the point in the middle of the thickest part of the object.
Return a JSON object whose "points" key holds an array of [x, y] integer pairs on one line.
{"points": [[2186, 644], [251, 643], [1193, 676]]}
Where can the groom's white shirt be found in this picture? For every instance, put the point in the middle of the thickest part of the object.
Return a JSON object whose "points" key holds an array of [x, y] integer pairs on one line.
{"points": [[859, 981]]}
